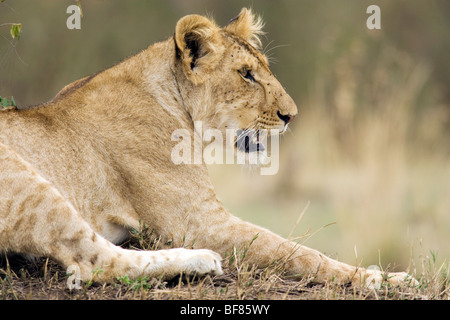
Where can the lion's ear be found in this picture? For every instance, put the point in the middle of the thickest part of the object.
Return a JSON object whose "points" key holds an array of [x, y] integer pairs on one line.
{"points": [[247, 26], [199, 46]]}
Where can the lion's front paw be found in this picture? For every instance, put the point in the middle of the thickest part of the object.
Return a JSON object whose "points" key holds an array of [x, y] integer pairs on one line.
{"points": [[200, 262]]}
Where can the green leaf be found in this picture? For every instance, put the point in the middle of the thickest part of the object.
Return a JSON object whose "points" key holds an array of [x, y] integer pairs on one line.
{"points": [[4, 102], [15, 31], [79, 6]]}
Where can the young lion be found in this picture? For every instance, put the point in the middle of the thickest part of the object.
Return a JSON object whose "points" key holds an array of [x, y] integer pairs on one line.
{"points": [[81, 171]]}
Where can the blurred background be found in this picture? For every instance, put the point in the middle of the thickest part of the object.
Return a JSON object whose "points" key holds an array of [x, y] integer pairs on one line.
{"points": [[366, 164]]}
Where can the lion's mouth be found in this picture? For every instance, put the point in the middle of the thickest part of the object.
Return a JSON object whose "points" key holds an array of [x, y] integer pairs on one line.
{"points": [[249, 141]]}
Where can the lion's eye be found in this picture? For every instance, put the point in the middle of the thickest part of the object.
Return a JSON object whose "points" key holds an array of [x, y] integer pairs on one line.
{"points": [[247, 74]]}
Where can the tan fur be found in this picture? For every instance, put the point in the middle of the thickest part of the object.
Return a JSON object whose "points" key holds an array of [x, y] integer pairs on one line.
{"points": [[81, 171]]}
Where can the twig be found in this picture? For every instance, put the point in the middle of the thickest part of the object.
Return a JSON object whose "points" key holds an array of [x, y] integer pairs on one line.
{"points": [[9, 24]]}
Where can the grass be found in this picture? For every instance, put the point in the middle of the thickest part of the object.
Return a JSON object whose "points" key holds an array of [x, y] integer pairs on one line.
{"points": [[45, 279]]}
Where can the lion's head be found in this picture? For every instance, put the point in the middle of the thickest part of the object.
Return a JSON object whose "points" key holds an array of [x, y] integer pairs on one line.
{"points": [[230, 83]]}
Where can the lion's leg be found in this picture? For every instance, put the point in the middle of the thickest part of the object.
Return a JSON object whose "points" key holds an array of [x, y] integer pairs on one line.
{"points": [[36, 219], [224, 231]]}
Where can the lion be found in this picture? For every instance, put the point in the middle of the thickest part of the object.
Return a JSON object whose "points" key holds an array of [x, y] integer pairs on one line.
{"points": [[81, 171]]}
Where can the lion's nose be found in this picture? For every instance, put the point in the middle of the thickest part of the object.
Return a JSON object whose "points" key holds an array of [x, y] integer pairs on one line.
{"points": [[285, 117]]}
